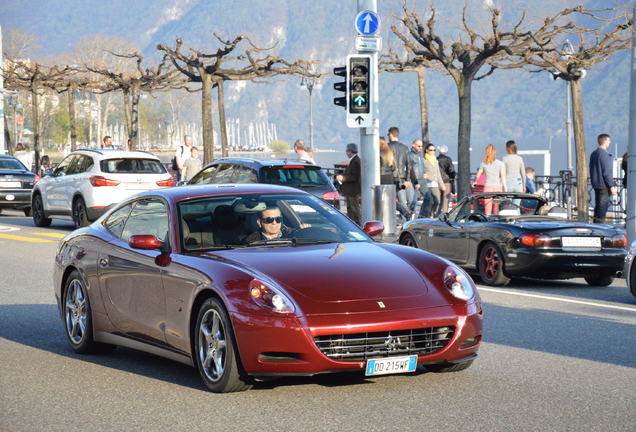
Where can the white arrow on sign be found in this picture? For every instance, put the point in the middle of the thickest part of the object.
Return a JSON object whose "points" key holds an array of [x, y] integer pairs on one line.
{"points": [[367, 22]]}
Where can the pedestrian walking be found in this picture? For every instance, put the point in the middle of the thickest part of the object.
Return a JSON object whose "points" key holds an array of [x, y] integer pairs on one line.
{"points": [[601, 177], [388, 175], [24, 156], [45, 164], [448, 175], [495, 172], [182, 154], [515, 170], [192, 165], [299, 149], [624, 162], [419, 190], [434, 183], [403, 170], [351, 187]]}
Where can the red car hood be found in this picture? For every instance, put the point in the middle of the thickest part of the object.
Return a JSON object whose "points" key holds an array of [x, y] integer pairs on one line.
{"points": [[330, 278]]}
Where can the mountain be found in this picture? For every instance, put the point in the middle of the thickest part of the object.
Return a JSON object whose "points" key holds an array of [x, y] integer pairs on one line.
{"points": [[510, 104]]}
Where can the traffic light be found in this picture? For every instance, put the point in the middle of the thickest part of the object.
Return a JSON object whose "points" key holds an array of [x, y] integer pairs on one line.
{"points": [[359, 71], [341, 86]]}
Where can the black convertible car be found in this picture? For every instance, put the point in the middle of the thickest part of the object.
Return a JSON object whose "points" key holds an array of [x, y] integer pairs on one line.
{"points": [[506, 235]]}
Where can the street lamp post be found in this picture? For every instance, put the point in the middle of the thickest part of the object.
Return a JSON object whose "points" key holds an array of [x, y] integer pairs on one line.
{"points": [[309, 83], [568, 50]]}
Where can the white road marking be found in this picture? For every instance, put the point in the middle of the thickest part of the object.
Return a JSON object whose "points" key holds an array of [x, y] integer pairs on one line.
{"points": [[6, 228], [632, 309]]}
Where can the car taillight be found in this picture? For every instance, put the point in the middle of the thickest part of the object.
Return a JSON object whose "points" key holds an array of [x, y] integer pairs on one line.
{"points": [[536, 240], [331, 196], [36, 179], [619, 241], [103, 181], [166, 183]]}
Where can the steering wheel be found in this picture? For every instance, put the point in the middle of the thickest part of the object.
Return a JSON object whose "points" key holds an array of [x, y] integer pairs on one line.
{"points": [[477, 217], [316, 234]]}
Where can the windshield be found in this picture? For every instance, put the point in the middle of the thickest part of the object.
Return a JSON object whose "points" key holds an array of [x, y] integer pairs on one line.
{"points": [[257, 220], [497, 206], [132, 166], [11, 165], [294, 175]]}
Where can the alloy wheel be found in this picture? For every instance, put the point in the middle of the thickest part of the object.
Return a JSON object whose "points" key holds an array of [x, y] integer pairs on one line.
{"points": [[76, 312], [212, 345], [490, 263]]}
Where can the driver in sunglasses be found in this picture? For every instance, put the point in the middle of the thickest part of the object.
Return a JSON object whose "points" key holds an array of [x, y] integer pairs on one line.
{"points": [[271, 226]]}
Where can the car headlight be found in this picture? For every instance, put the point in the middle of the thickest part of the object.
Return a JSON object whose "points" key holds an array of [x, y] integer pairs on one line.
{"points": [[269, 297], [459, 283]]}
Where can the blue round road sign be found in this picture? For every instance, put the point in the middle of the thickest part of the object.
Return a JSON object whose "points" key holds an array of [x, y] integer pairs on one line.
{"points": [[367, 23]]}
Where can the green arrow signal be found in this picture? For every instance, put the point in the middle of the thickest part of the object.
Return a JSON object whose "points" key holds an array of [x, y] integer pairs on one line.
{"points": [[360, 100]]}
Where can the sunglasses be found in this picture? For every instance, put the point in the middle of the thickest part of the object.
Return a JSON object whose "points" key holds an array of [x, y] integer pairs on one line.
{"points": [[269, 220]]}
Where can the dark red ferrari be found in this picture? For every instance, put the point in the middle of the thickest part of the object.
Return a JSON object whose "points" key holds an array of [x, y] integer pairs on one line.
{"points": [[249, 281]]}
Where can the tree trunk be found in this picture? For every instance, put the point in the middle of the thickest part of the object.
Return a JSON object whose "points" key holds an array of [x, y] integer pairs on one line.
{"points": [[582, 198], [134, 119], [222, 125], [421, 81], [206, 110], [463, 139], [71, 116], [36, 131], [7, 135], [128, 112]]}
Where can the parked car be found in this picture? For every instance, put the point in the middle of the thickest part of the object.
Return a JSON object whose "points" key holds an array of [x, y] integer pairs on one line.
{"points": [[522, 237], [173, 272], [88, 182], [299, 174], [629, 270], [16, 183]]}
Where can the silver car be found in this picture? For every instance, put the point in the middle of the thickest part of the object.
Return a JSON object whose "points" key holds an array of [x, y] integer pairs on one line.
{"points": [[629, 270]]}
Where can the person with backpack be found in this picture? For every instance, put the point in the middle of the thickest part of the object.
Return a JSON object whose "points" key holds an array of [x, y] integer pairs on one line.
{"points": [[182, 154]]}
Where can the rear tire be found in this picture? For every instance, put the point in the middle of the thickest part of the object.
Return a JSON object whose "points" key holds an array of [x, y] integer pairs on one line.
{"points": [[491, 265], [599, 280], [80, 214], [215, 353], [448, 367], [39, 218], [78, 319], [631, 280]]}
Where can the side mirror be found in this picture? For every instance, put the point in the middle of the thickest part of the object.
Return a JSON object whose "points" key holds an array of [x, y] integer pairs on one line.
{"points": [[48, 171], [182, 183], [145, 242], [373, 228], [443, 217]]}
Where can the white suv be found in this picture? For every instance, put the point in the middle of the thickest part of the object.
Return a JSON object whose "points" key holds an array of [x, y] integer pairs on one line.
{"points": [[88, 182]]}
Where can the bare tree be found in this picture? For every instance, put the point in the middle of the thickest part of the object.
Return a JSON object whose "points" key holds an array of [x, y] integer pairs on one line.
{"points": [[610, 30], [35, 78], [132, 84], [212, 69], [18, 44]]}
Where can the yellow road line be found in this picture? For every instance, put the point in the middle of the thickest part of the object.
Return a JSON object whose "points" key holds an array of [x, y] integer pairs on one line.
{"points": [[50, 234], [26, 239]]}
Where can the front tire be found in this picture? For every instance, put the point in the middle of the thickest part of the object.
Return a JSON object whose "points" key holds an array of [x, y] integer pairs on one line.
{"points": [[215, 350], [80, 214], [600, 280], [408, 240], [631, 280], [39, 218], [491, 265]]}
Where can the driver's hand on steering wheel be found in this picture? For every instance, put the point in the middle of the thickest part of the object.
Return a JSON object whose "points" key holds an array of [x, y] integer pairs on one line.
{"points": [[301, 226]]}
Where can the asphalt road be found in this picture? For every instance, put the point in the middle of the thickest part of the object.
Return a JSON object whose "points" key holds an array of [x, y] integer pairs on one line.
{"points": [[556, 356]]}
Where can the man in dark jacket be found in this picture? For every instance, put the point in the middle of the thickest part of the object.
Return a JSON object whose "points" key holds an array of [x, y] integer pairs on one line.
{"points": [[351, 187], [601, 177], [417, 165], [448, 175], [403, 170]]}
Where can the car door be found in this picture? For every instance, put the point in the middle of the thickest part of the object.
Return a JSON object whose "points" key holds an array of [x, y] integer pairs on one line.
{"points": [[130, 280], [54, 190], [75, 176], [450, 239]]}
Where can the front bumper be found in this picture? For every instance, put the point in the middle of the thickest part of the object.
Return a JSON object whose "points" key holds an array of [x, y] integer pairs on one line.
{"points": [[15, 198], [285, 346], [557, 264]]}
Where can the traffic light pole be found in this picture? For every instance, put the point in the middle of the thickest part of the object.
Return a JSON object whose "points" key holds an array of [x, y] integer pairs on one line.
{"points": [[369, 136]]}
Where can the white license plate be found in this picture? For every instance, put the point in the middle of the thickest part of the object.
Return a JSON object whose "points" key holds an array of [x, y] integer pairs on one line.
{"points": [[581, 242], [391, 365], [10, 184]]}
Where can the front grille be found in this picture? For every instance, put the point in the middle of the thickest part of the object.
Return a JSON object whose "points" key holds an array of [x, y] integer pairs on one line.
{"points": [[361, 346]]}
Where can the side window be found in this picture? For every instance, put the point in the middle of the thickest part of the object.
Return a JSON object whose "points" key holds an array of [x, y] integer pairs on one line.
{"points": [[224, 174], [205, 177], [244, 174], [85, 164], [74, 167], [115, 222], [63, 166], [148, 216]]}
